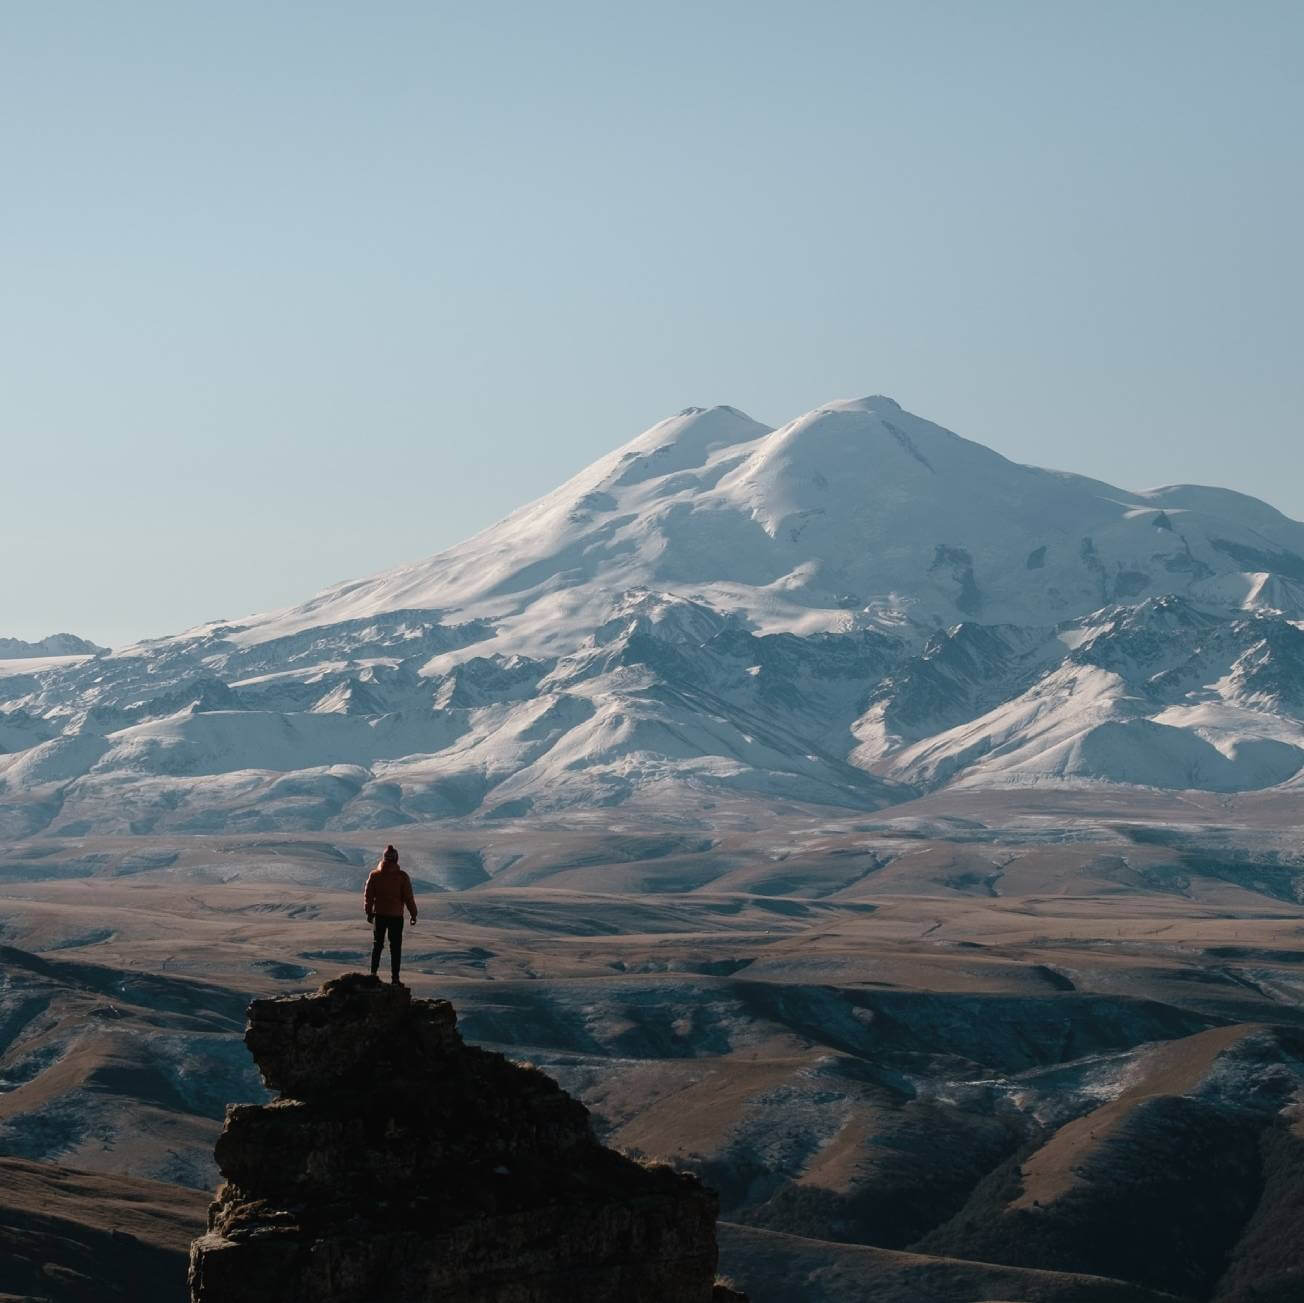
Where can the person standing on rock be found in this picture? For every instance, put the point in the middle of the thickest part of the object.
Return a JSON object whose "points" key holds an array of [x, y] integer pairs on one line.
{"points": [[388, 892]]}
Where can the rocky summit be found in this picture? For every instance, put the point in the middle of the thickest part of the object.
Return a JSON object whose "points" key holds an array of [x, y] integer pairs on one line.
{"points": [[400, 1164]]}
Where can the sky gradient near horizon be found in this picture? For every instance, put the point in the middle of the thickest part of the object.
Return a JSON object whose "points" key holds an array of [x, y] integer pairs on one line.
{"points": [[297, 292]]}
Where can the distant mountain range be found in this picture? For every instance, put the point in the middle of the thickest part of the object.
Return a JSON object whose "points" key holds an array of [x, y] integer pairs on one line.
{"points": [[846, 611], [57, 644]]}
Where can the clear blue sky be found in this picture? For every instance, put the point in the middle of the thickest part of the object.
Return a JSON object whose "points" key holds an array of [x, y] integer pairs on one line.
{"points": [[296, 291]]}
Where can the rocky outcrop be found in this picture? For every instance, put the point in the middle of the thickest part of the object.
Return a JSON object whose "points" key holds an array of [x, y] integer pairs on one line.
{"points": [[400, 1164]]}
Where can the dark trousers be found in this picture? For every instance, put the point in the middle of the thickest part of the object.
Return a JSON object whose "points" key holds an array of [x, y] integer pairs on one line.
{"points": [[391, 926]]}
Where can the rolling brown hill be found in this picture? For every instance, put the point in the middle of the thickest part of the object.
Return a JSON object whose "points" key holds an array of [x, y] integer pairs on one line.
{"points": [[88, 1237]]}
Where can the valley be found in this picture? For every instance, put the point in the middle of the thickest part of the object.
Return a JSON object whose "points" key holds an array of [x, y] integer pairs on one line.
{"points": [[935, 1052]]}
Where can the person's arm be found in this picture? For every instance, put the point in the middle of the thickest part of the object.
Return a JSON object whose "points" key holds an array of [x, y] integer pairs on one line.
{"points": [[408, 898], [369, 896]]}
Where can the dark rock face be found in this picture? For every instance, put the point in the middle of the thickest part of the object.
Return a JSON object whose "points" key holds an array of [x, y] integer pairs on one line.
{"points": [[401, 1165]]}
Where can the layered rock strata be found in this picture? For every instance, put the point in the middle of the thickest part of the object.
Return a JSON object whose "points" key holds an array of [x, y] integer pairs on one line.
{"points": [[401, 1165]]}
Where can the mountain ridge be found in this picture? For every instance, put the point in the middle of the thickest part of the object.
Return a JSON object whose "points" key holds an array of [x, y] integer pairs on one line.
{"points": [[56, 644]]}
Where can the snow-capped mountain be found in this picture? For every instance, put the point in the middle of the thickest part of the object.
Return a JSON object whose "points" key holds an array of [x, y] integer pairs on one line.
{"points": [[847, 610], [57, 644]]}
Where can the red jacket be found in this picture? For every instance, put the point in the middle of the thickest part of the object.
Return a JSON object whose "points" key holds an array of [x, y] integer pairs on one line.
{"points": [[388, 890]]}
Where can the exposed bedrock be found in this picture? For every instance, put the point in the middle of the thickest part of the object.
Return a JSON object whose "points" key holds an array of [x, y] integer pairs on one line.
{"points": [[401, 1164]]}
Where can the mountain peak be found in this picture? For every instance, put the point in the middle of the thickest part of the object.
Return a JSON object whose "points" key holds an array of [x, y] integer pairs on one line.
{"points": [[870, 403], [57, 644], [721, 421], [684, 442]]}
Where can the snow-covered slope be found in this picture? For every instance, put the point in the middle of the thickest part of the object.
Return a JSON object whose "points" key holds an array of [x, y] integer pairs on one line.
{"points": [[844, 610]]}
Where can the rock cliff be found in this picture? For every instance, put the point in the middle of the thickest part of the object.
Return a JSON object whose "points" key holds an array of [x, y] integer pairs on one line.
{"points": [[401, 1165]]}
